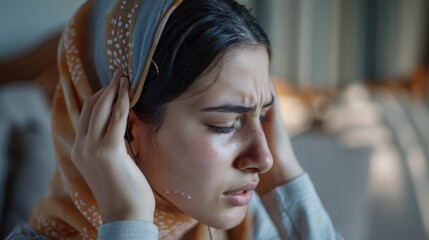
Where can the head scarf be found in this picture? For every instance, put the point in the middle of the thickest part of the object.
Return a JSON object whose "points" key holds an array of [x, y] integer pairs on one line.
{"points": [[102, 36]]}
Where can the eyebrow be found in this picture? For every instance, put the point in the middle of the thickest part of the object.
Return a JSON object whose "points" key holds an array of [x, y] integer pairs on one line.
{"points": [[228, 108]]}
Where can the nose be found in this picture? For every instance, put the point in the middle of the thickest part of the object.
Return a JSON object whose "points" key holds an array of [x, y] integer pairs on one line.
{"points": [[256, 156]]}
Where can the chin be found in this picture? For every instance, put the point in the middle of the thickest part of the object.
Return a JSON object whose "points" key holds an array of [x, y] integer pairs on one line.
{"points": [[228, 220]]}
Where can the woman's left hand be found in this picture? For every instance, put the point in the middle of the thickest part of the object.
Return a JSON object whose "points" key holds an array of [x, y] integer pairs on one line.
{"points": [[285, 165]]}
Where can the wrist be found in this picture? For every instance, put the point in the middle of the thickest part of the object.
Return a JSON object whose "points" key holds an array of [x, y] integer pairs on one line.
{"points": [[287, 168], [282, 172]]}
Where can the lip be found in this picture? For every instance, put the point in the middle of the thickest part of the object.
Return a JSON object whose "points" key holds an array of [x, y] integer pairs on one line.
{"points": [[240, 196]]}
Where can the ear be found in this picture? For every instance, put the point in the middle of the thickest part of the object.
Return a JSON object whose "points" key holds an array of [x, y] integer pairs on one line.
{"points": [[138, 131]]}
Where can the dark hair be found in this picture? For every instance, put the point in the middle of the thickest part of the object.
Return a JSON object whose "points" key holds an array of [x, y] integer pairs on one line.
{"points": [[196, 36]]}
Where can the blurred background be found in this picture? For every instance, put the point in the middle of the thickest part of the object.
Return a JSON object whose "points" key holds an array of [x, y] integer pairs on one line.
{"points": [[352, 77]]}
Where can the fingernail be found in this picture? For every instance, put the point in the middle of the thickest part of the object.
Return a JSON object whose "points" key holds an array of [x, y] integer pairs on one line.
{"points": [[124, 83]]}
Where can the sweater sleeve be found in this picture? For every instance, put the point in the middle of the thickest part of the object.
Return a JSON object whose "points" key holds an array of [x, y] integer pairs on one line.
{"points": [[297, 212], [290, 211], [128, 229], [124, 229]]}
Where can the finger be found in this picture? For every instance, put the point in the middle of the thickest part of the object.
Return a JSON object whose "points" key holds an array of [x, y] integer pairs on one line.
{"points": [[85, 114], [102, 108], [119, 116]]}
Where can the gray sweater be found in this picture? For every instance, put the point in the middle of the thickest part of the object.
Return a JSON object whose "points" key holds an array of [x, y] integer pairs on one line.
{"points": [[290, 211]]}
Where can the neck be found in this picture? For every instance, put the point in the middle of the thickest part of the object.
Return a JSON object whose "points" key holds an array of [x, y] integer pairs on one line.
{"points": [[172, 222]]}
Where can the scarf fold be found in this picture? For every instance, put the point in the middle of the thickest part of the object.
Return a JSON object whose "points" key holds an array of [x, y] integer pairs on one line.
{"points": [[102, 36]]}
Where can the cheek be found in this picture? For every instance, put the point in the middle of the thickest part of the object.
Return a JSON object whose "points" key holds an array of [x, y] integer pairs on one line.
{"points": [[196, 164], [199, 158], [213, 155], [181, 158], [207, 152]]}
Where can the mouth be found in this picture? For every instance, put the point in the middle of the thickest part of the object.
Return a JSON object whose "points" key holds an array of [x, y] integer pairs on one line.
{"points": [[240, 196]]}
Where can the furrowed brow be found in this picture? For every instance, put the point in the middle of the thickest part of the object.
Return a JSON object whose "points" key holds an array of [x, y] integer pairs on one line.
{"points": [[229, 109]]}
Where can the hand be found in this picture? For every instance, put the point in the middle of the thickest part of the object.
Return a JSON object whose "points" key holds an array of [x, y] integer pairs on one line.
{"points": [[100, 154], [285, 165]]}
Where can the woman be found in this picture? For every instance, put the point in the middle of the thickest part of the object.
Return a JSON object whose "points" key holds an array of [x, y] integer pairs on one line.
{"points": [[193, 94]]}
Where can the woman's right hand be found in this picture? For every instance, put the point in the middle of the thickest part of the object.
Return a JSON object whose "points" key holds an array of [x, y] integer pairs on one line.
{"points": [[100, 154]]}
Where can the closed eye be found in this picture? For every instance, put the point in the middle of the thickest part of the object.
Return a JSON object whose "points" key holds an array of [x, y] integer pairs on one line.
{"points": [[223, 130]]}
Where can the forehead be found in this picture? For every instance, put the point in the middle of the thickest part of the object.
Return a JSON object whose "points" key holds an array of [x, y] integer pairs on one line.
{"points": [[242, 74]]}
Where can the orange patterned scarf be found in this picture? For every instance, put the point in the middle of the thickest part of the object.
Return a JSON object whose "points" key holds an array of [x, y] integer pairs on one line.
{"points": [[68, 210]]}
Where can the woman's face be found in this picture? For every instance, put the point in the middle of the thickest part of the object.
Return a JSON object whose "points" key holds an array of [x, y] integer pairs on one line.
{"points": [[206, 156]]}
